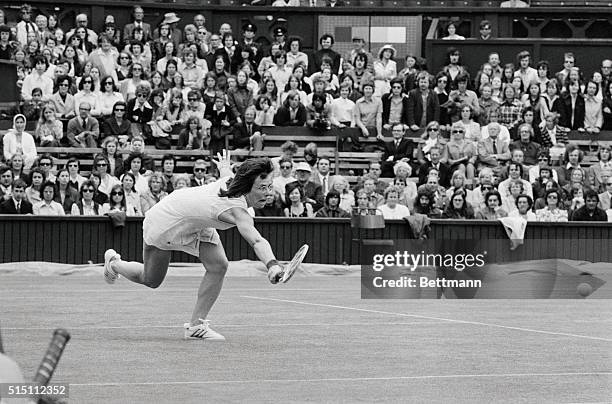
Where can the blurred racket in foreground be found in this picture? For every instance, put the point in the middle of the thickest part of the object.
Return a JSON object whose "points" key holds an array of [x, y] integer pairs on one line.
{"points": [[50, 360], [294, 264]]}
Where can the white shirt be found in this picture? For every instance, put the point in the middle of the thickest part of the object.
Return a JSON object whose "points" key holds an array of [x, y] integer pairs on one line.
{"points": [[34, 80], [53, 209], [342, 111], [399, 212]]}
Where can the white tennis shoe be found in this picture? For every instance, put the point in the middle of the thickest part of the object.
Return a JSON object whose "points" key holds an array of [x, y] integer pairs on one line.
{"points": [[110, 275], [202, 331]]}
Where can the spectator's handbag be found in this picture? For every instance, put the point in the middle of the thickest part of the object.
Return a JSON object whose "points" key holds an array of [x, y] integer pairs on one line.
{"points": [[160, 130]]}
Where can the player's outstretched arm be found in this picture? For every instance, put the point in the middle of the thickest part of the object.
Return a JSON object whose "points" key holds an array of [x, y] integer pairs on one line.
{"points": [[245, 225], [224, 164]]}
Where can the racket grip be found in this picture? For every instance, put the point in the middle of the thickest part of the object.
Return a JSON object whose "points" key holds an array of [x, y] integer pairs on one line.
{"points": [[52, 356]]}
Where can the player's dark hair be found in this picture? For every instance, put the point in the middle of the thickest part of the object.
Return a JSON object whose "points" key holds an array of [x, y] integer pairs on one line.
{"points": [[245, 177]]}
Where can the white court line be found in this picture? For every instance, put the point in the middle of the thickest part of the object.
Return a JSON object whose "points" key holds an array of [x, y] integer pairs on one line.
{"points": [[147, 290], [220, 325], [432, 318], [341, 379]]}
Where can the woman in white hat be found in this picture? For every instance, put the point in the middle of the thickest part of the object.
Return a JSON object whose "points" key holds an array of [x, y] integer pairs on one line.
{"points": [[385, 69]]}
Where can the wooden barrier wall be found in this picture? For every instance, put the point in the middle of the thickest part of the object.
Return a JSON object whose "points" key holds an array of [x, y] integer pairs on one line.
{"points": [[77, 240]]}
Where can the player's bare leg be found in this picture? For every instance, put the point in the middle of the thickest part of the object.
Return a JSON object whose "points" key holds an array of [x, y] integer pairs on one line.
{"points": [[151, 273], [215, 262]]}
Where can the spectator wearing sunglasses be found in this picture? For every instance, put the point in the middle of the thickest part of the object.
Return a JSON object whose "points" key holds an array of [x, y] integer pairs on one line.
{"points": [[116, 202]]}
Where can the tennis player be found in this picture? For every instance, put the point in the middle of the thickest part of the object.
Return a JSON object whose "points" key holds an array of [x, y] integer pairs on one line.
{"points": [[187, 220]]}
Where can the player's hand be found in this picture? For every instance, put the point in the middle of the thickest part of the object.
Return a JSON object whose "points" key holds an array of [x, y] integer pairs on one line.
{"points": [[224, 163], [275, 273]]}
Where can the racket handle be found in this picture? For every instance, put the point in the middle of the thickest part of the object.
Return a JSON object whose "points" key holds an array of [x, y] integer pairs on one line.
{"points": [[52, 356]]}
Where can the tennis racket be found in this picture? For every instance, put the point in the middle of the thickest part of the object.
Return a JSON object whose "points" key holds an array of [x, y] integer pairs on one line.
{"points": [[52, 356], [294, 264]]}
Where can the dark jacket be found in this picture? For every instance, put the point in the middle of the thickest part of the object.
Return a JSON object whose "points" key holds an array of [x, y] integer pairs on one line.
{"points": [[444, 170], [582, 215], [565, 111], [386, 103], [283, 116], [8, 207], [242, 138], [415, 107]]}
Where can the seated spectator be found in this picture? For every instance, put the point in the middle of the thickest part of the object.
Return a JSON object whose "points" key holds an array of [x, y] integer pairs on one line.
{"points": [[38, 79], [155, 193], [265, 111], [272, 208], [458, 208], [6, 182], [487, 104], [451, 30], [295, 197], [117, 125], [604, 163], [332, 206], [107, 181], [432, 154], [16, 166], [62, 100], [593, 113], [493, 152], [493, 209], [221, 119], [422, 99], [294, 84], [399, 149], [531, 149], [37, 178], [17, 204], [510, 110], [168, 165], [312, 192], [590, 212], [504, 134], [576, 180], [199, 173], [375, 199], [16, 140], [524, 205], [543, 162], [572, 108], [75, 180], [48, 207], [363, 206], [292, 113], [65, 194], [110, 151], [575, 199], [341, 109], [552, 211], [392, 209], [395, 106], [49, 130], [247, 134], [340, 184], [279, 183], [83, 130], [318, 113], [605, 197], [241, 97], [458, 184], [368, 113], [140, 113], [515, 173], [289, 149], [360, 73], [108, 97], [462, 96], [553, 136], [132, 196], [425, 204], [32, 108], [459, 153], [136, 77], [116, 202], [572, 159], [515, 189], [134, 167], [472, 129]]}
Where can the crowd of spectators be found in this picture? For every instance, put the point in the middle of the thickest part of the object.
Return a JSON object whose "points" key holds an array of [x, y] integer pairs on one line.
{"points": [[489, 137]]}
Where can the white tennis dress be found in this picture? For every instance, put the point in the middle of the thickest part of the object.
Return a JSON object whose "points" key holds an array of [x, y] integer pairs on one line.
{"points": [[189, 216]]}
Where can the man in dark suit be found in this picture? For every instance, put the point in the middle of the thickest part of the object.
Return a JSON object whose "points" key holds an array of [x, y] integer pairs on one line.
{"points": [[435, 153], [83, 130], [247, 134], [128, 30], [416, 118], [199, 173], [313, 193], [399, 149], [17, 204]]}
